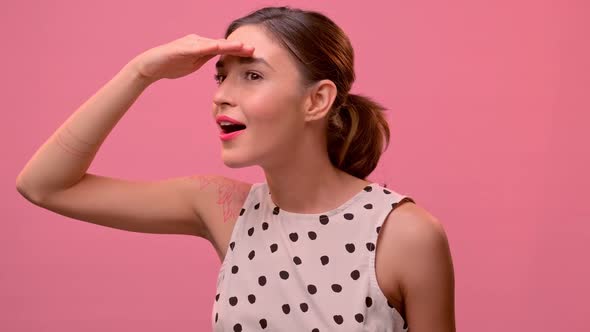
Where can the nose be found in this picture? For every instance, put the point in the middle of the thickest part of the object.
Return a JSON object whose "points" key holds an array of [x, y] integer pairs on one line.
{"points": [[220, 100], [224, 94]]}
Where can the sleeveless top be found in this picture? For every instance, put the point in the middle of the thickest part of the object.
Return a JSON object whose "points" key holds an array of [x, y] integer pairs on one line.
{"points": [[286, 271]]}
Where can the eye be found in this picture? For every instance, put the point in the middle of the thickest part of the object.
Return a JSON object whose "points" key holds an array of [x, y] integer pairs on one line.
{"points": [[219, 77], [255, 74]]}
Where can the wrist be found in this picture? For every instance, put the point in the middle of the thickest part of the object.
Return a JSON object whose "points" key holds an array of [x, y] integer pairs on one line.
{"points": [[131, 70]]}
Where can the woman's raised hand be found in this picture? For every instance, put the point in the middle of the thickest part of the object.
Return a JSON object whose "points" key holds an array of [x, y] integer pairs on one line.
{"points": [[185, 55]]}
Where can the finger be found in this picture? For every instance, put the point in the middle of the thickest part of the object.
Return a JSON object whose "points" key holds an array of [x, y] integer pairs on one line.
{"points": [[241, 46], [239, 51], [214, 45], [228, 48]]}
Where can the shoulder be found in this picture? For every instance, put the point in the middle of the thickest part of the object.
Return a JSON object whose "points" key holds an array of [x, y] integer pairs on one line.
{"points": [[218, 205], [415, 232], [420, 257], [409, 231], [222, 188], [220, 198], [410, 225]]}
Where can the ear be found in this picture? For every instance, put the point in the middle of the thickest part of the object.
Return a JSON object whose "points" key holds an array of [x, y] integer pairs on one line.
{"points": [[320, 99]]}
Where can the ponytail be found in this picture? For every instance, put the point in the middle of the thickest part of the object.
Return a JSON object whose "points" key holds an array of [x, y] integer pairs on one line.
{"points": [[356, 132]]}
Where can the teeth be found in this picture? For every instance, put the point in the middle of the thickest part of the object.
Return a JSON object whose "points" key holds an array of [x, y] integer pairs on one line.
{"points": [[227, 123]]}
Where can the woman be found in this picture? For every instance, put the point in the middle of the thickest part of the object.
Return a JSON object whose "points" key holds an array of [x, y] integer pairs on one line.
{"points": [[316, 247]]}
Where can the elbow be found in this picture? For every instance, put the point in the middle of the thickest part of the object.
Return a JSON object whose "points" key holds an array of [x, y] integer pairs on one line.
{"points": [[28, 194]]}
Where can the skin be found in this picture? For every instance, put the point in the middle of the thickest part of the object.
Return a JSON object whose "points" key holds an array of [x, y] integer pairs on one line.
{"points": [[285, 135]]}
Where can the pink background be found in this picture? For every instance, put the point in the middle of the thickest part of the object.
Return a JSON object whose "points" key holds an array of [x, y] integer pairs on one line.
{"points": [[488, 103]]}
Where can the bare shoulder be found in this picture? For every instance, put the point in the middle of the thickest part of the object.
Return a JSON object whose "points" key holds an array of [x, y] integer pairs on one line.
{"points": [[411, 231], [411, 222], [220, 207], [405, 224], [421, 266]]}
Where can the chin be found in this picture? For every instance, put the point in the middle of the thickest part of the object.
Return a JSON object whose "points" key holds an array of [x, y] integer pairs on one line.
{"points": [[234, 165], [235, 162]]}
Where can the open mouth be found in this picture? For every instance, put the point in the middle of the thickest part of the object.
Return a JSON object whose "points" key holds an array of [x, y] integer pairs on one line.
{"points": [[230, 128]]}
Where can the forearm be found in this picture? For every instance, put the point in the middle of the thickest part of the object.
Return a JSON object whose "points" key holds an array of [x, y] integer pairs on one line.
{"points": [[67, 154]]}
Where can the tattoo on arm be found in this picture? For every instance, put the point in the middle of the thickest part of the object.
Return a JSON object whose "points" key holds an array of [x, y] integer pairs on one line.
{"points": [[229, 195]]}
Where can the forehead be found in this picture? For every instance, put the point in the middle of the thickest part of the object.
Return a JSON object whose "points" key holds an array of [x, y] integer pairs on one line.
{"points": [[251, 34], [264, 46]]}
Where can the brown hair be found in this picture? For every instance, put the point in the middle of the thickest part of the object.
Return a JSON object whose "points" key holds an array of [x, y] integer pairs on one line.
{"points": [[356, 124]]}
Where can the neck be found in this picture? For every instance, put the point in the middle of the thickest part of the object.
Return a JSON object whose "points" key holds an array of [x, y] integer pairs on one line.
{"points": [[308, 186]]}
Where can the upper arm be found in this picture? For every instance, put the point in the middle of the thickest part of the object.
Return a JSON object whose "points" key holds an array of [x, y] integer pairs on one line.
{"points": [[426, 277], [165, 206]]}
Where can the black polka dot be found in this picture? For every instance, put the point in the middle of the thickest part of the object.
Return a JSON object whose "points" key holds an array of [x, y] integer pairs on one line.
{"points": [[368, 188], [368, 206], [348, 216], [350, 247], [276, 210], [233, 300], [274, 247], [232, 245], [293, 237], [284, 275], [378, 229], [315, 330], [336, 288], [256, 206], [242, 211], [311, 289], [312, 235], [370, 246], [262, 280], [251, 298], [304, 307], [386, 191], [324, 219], [263, 323], [359, 318], [238, 327], [338, 319], [215, 317], [216, 297], [324, 260], [264, 226], [296, 260], [368, 301], [234, 269], [251, 254], [250, 231], [355, 274], [286, 308]]}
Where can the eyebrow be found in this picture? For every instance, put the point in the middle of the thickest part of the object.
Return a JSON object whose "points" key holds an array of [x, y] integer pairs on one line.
{"points": [[245, 60]]}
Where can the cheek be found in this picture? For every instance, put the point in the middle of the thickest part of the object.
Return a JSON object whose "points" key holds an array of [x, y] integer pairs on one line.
{"points": [[271, 108], [274, 115]]}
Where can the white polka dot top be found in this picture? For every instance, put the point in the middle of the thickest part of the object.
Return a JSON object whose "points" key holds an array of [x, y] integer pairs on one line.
{"points": [[287, 271]]}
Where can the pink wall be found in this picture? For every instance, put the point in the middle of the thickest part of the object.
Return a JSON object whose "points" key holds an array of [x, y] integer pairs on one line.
{"points": [[489, 112]]}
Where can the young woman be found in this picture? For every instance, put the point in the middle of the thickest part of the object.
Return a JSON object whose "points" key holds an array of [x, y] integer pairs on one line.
{"points": [[316, 247]]}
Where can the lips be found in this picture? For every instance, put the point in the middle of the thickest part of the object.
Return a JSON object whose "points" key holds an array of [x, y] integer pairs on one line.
{"points": [[227, 119], [229, 125]]}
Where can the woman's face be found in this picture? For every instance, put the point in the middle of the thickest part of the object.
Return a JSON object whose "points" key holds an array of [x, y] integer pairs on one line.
{"points": [[268, 99]]}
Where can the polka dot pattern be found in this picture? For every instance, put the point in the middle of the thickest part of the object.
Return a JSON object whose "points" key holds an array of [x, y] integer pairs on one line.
{"points": [[310, 272]]}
